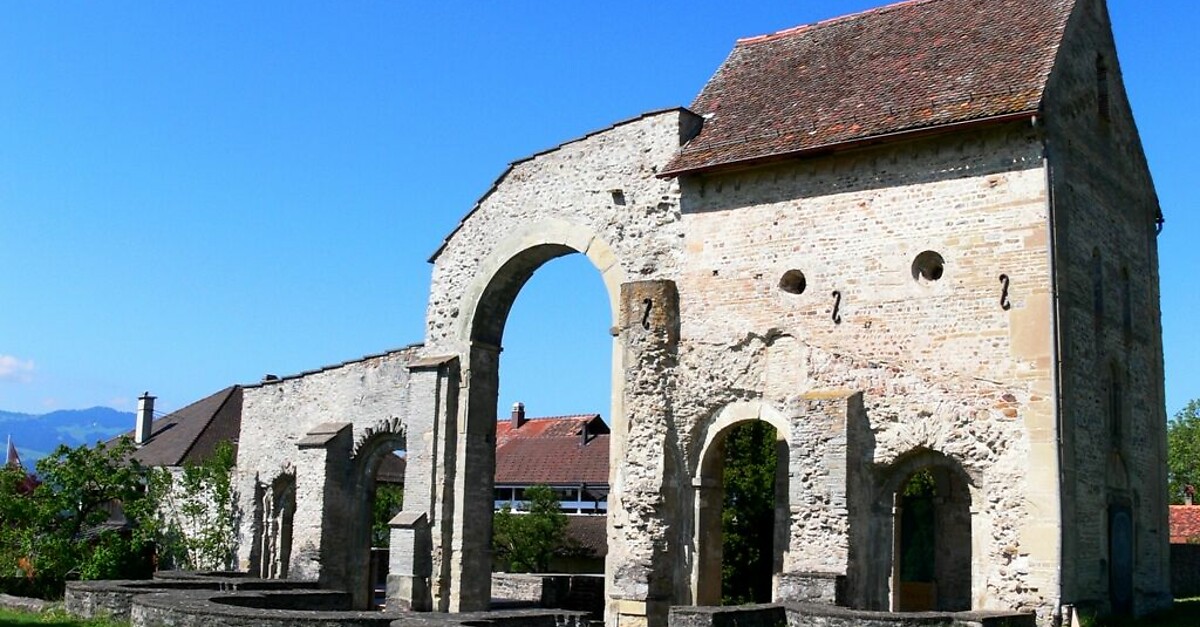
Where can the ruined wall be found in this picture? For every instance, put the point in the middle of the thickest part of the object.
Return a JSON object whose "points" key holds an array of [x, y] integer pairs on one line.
{"points": [[941, 363], [278, 416], [1111, 350], [598, 196]]}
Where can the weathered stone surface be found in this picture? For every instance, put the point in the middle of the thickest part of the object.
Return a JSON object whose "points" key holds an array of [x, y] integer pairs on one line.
{"points": [[23, 604], [981, 303]]}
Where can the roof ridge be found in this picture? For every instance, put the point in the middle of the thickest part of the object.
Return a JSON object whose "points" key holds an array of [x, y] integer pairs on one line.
{"points": [[562, 417], [830, 21]]}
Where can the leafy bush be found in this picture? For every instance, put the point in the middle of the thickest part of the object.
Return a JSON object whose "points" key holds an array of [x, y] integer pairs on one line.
{"points": [[526, 541], [88, 518], [197, 516]]}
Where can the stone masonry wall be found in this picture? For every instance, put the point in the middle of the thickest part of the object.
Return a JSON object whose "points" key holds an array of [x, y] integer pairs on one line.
{"points": [[1111, 350], [276, 416], [941, 364], [598, 196]]}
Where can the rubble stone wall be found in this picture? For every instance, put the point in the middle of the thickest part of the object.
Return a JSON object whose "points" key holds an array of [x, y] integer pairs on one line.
{"points": [[941, 363], [1113, 407], [368, 395]]}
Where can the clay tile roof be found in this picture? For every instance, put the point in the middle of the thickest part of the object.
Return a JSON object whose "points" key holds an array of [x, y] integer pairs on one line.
{"points": [[900, 68], [551, 451], [588, 535], [193, 432], [391, 470], [1185, 524]]}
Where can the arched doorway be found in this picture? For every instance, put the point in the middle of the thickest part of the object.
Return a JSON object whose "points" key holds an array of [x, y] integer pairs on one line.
{"points": [[274, 513], [378, 475], [488, 303], [742, 514], [931, 548]]}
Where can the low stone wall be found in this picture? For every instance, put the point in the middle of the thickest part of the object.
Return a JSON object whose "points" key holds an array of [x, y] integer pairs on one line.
{"points": [[815, 615], [1185, 570], [113, 598], [213, 608], [517, 587], [23, 604], [826, 588], [584, 593]]}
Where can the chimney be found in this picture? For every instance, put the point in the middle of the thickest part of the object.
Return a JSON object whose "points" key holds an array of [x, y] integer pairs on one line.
{"points": [[518, 415], [145, 415]]}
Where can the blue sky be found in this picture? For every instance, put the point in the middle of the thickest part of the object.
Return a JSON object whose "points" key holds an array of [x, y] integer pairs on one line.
{"points": [[196, 194]]}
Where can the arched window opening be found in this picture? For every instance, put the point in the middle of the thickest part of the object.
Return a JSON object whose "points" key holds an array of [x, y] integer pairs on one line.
{"points": [[1126, 305], [1097, 272], [1103, 106]]}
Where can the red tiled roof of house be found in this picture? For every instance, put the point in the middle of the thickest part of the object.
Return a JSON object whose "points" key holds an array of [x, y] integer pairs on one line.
{"points": [[1185, 524], [904, 67], [552, 451], [588, 535]]}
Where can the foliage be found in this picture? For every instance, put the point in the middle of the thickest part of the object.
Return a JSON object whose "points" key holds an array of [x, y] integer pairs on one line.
{"points": [[89, 518], [197, 521], [1183, 451], [748, 513], [389, 500], [917, 542], [526, 541]]}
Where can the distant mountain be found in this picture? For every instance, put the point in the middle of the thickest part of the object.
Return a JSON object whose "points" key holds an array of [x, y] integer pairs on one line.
{"points": [[38, 435]]}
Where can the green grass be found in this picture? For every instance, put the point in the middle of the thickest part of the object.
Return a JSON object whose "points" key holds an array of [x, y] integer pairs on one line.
{"points": [[51, 618]]}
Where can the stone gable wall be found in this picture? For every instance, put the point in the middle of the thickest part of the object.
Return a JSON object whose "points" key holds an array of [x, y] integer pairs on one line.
{"points": [[1105, 207], [941, 364]]}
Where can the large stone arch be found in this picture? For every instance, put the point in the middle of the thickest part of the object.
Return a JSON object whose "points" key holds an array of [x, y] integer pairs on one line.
{"points": [[707, 465], [484, 306]]}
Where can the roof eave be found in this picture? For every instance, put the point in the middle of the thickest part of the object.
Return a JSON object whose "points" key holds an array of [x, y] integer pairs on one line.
{"points": [[844, 145]]}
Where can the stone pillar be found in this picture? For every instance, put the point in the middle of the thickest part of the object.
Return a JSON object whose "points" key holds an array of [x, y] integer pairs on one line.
{"points": [[410, 563], [642, 503], [706, 578], [433, 386], [470, 573], [320, 528]]}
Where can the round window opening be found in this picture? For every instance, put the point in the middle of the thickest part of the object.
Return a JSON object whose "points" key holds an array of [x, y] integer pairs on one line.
{"points": [[928, 267], [793, 282]]}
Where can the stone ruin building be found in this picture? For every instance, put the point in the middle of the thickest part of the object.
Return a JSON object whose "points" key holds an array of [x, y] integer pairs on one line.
{"points": [[921, 237]]}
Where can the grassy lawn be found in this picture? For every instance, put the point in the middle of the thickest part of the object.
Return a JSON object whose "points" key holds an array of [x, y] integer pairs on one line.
{"points": [[54, 618]]}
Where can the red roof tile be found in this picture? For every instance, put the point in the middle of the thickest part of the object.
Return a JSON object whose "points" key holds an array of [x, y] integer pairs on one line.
{"points": [[905, 67], [552, 451], [588, 534], [1185, 524]]}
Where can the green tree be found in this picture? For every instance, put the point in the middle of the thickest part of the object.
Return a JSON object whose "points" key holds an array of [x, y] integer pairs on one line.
{"points": [[389, 501], [748, 514], [527, 540], [1183, 451], [197, 515], [89, 517]]}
